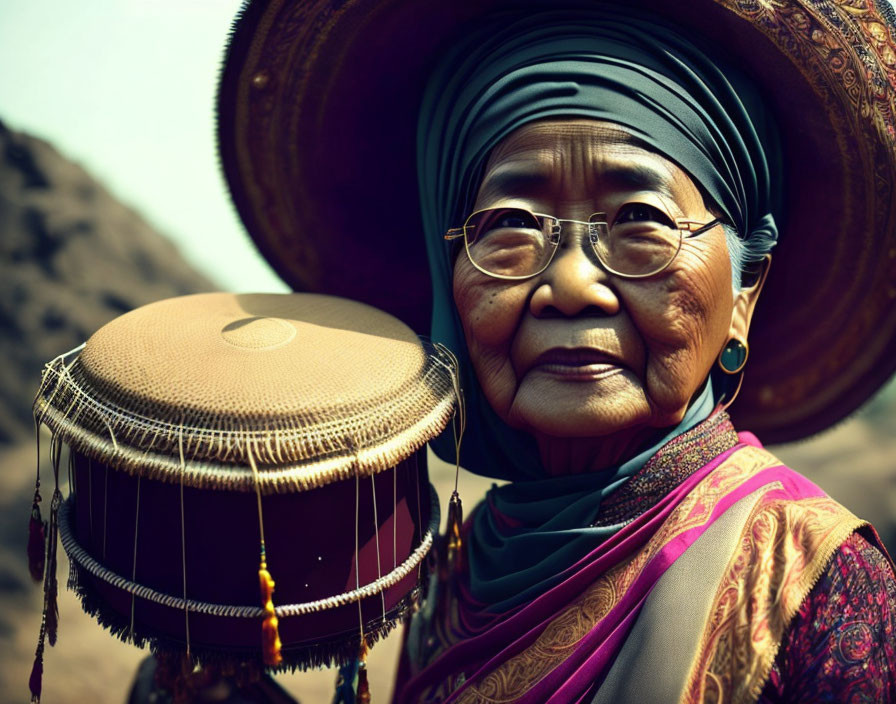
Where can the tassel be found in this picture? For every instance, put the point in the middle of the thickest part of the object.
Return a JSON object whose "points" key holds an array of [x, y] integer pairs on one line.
{"points": [[51, 588], [37, 539], [455, 521], [346, 680], [52, 613], [363, 696], [35, 682], [270, 635]]}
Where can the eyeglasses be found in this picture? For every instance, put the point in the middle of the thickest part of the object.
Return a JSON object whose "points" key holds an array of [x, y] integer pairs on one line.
{"points": [[514, 243]]}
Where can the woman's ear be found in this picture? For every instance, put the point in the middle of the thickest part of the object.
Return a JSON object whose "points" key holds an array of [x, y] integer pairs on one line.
{"points": [[745, 302]]}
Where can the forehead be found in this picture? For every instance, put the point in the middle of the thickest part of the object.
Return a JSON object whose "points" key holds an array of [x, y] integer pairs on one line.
{"points": [[582, 153]]}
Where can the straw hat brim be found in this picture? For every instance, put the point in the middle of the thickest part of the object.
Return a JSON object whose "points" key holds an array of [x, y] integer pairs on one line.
{"points": [[317, 111]]}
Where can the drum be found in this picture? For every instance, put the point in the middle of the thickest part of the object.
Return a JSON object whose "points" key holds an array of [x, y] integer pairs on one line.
{"points": [[247, 475]]}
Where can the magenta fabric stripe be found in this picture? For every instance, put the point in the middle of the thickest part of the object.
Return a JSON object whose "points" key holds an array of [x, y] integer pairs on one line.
{"points": [[594, 654]]}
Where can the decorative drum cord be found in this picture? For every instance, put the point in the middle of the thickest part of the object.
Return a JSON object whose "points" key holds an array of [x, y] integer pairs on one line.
{"points": [[86, 562]]}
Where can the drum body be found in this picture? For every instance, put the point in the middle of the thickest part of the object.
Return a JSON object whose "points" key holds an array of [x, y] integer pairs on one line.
{"points": [[310, 546], [215, 439]]}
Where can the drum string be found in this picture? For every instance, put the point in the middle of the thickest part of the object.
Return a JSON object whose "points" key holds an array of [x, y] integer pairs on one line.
{"points": [[50, 578], [376, 537], [455, 518], [50, 614], [73, 492], [183, 535], [357, 559], [105, 507], [395, 516], [270, 626], [419, 509], [37, 529], [89, 495], [72, 482], [134, 565], [362, 693]]}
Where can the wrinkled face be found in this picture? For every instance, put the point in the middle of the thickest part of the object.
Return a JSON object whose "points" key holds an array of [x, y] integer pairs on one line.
{"points": [[575, 351]]}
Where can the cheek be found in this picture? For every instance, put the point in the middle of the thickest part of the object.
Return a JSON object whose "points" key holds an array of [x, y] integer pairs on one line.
{"points": [[490, 311], [683, 319], [488, 314]]}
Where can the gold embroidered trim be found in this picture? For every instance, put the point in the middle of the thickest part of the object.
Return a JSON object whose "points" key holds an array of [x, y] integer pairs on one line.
{"points": [[784, 548]]}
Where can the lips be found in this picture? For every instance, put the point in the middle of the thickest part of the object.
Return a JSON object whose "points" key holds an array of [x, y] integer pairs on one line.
{"points": [[576, 363]]}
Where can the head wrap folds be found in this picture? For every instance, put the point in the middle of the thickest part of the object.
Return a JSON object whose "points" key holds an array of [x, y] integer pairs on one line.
{"points": [[604, 64]]}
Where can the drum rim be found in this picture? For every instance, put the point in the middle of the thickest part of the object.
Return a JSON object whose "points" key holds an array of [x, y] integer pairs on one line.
{"points": [[194, 470]]}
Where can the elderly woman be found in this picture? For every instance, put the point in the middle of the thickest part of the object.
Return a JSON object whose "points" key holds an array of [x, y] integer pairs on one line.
{"points": [[601, 189]]}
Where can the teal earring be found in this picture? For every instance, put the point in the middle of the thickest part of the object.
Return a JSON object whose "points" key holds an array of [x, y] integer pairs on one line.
{"points": [[733, 356]]}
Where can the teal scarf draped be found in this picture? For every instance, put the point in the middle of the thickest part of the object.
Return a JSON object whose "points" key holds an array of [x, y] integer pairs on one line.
{"points": [[607, 64], [552, 528]]}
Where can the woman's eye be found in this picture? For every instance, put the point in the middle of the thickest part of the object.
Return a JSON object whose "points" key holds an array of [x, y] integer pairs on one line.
{"points": [[641, 212], [497, 219], [513, 222]]}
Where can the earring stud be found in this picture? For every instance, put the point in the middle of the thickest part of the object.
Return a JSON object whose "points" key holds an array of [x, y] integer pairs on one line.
{"points": [[733, 356]]}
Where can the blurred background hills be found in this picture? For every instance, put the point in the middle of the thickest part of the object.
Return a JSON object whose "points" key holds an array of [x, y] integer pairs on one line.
{"points": [[72, 257]]}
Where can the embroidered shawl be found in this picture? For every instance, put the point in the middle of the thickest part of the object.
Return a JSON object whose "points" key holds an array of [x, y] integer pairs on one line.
{"points": [[688, 602]]}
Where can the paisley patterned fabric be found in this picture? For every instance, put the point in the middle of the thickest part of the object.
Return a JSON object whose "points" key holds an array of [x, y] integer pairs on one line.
{"points": [[841, 645]]}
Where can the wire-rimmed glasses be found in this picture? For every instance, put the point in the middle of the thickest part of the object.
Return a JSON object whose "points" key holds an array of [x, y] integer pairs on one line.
{"points": [[515, 243]]}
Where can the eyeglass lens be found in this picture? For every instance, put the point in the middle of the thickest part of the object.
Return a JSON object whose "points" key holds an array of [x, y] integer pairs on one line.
{"points": [[515, 242]]}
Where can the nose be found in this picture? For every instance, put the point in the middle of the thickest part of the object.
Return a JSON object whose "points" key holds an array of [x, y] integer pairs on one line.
{"points": [[574, 283]]}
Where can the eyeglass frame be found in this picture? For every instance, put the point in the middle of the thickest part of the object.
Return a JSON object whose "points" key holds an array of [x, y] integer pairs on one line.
{"points": [[685, 227]]}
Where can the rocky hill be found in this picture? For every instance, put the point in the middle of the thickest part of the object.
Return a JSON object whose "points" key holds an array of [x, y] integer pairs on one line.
{"points": [[72, 257]]}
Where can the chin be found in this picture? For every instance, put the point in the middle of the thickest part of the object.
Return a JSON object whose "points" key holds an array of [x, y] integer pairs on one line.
{"points": [[544, 406]]}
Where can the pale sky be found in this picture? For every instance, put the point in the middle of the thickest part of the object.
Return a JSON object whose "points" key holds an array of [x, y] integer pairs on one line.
{"points": [[126, 88]]}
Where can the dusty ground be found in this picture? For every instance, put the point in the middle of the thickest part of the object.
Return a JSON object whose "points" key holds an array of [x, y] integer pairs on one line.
{"points": [[855, 462]]}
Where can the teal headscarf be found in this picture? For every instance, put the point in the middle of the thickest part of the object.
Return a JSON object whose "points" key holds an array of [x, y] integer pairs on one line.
{"points": [[606, 64]]}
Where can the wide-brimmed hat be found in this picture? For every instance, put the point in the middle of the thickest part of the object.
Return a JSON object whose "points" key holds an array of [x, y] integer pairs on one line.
{"points": [[317, 111]]}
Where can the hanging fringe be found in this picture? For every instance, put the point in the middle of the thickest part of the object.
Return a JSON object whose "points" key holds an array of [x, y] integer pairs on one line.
{"points": [[453, 540], [35, 682], [346, 683], [37, 539], [448, 553], [51, 587], [37, 528], [52, 614], [455, 521], [70, 404], [310, 656], [363, 692], [49, 621], [74, 580], [270, 635]]}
